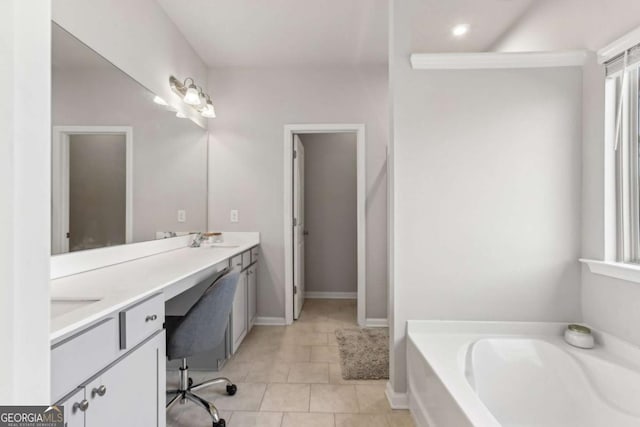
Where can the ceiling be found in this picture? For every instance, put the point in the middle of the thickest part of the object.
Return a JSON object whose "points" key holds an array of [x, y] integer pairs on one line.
{"points": [[488, 20], [249, 33]]}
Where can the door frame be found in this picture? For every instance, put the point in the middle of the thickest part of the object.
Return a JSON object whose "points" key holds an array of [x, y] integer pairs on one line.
{"points": [[301, 129], [60, 180]]}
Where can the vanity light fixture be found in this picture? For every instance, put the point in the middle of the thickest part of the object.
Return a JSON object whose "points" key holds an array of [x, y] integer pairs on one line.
{"points": [[460, 30], [193, 95]]}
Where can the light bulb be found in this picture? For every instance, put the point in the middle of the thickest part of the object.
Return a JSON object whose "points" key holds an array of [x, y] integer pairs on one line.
{"points": [[192, 97], [159, 100], [208, 111]]}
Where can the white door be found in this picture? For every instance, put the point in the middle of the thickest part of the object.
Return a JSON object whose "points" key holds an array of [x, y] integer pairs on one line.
{"points": [[298, 227]]}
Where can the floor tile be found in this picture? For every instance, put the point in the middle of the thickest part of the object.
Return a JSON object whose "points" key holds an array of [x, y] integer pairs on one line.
{"points": [[361, 420], [189, 415], [308, 419], [247, 398], [333, 398], [310, 373], [400, 419], [255, 419], [329, 354], [294, 353], [286, 398], [270, 372], [372, 398], [312, 338]]}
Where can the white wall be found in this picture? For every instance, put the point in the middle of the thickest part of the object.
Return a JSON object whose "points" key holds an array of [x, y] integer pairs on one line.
{"points": [[486, 194], [139, 38], [25, 40], [246, 158], [330, 207], [607, 304]]}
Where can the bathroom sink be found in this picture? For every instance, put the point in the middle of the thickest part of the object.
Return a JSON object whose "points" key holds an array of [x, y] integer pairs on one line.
{"points": [[60, 306]]}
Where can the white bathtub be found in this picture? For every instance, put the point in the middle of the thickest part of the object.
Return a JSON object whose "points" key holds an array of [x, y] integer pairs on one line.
{"points": [[490, 374]]}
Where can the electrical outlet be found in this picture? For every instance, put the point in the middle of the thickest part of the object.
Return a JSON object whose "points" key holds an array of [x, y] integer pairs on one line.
{"points": [[182, 215], [233, 216]]}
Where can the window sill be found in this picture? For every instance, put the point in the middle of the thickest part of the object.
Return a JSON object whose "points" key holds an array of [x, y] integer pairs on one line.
{"points": [[618, 270]]}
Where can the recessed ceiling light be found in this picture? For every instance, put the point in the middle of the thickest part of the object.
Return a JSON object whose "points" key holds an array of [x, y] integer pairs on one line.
{"points": [[460, 30]]}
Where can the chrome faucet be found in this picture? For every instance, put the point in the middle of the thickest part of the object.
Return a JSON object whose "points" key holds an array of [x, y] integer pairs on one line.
{"points": [[197, 240]]}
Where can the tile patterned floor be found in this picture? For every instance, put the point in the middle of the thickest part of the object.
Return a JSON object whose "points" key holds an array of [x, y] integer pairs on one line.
{"points": [[289, 376]]}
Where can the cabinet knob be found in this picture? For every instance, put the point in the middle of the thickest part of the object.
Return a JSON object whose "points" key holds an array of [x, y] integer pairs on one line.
{"points": [[151, 318], [100, 391], [83, 405]]}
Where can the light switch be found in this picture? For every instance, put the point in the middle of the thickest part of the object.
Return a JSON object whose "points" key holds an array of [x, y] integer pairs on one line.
{"points": [[182, 215], [234, 216]]}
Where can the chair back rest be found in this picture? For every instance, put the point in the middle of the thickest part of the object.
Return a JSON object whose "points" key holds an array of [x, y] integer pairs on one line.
{"points": [[204, 325]]}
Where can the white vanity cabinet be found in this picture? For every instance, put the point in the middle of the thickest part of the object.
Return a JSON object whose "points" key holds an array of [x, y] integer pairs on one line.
{"points": [[239, 312], [129, 393], [243, 315], [113, 372], [252, 294]]}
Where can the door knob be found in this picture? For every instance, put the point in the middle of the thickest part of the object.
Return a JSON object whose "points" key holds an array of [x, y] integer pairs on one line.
{"points": [[305, 232], [100, 391], [83, 405]]}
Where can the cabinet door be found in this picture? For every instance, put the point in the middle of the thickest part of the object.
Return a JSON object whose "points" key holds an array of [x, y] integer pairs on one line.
{"points": [[239, 315], [132, 392], [252, 291], [73, 415]]}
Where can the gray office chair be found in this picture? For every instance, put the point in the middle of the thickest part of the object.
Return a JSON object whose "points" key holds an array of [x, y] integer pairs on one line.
{"points": [[201, 329]]}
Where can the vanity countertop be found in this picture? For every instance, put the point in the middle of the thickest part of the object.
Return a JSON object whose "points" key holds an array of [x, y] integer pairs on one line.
{"points": [[120, 285]]}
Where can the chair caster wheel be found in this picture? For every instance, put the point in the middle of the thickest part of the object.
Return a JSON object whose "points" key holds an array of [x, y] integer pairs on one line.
{"points": [[190, 382], [231, 389], [220, 423]]}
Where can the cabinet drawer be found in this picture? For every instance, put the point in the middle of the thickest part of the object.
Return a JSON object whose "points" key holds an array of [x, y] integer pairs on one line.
{"points": [[254, 254], [236, 262], [141, 321], [76, 359], [246, 259]]}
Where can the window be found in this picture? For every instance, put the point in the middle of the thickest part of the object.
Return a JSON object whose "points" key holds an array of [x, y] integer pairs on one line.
{"points": [[623, 131]]}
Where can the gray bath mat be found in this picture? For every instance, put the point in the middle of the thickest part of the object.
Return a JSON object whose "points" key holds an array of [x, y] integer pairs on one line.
{"points": [[364, 353]]}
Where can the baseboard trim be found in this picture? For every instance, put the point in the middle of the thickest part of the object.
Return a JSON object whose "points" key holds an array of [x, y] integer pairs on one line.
{"points": [[331, 295], [270, 321], [376, 323], [396, 400]]}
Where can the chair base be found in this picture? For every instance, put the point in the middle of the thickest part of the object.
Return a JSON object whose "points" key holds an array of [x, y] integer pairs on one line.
{"points": [[186, 389]]}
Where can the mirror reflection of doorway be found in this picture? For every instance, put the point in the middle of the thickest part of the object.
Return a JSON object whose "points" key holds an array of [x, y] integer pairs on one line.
{"points": [[91, 188]]}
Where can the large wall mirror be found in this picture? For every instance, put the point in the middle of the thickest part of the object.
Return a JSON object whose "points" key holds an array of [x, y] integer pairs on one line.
{"points": [[125, 169]]}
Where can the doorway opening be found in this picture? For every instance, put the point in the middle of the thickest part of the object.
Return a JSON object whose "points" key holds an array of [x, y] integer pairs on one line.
{"points": [[92, 187], [296, 231]]}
